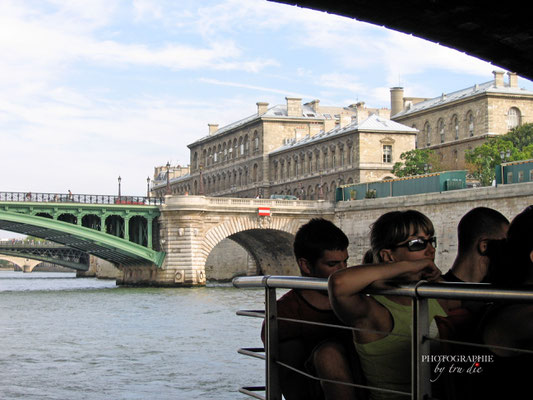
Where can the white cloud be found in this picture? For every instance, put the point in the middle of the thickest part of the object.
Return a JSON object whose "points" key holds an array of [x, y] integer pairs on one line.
{"points": [[253, 87]]}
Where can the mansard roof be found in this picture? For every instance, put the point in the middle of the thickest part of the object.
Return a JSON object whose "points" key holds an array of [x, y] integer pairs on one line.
{"points": [[472, 91], [277, 111], [373, 123]]}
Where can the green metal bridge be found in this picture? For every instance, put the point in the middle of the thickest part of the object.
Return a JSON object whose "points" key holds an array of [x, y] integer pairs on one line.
{"points": [[49, 252], [120, 229]]}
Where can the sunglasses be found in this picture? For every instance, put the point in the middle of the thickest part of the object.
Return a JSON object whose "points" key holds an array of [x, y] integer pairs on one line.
{"points": [[419, 244]]}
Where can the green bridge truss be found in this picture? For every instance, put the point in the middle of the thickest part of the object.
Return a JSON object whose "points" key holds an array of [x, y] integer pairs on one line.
{"points": [[53, 254], [123, 234]]}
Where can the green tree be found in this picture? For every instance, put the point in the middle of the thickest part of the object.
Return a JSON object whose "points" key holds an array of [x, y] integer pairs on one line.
{"points": [[416, 162], [515, 145], [521, 136]]}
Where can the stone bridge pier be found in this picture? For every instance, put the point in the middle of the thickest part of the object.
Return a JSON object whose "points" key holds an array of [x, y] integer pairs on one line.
{"points": [[191, 227]]}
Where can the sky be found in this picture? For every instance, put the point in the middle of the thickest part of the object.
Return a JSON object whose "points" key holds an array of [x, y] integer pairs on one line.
{"points": [[91, 90]]}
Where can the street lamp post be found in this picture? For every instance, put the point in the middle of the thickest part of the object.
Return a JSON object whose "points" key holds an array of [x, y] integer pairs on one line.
{"points": [[119, 180], [148, 188], [504, 155], [168, 178]]}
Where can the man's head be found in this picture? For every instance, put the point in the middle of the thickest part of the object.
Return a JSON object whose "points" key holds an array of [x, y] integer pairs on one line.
{"points": [[320, 248], [477, 227]]}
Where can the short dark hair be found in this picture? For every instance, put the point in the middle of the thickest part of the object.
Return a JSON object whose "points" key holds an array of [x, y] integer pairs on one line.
{"points": [[316, 236], [395, 227], [479, 222]]}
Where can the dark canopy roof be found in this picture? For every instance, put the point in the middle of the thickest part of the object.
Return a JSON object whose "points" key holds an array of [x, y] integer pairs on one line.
{"points": [[500, 33]]}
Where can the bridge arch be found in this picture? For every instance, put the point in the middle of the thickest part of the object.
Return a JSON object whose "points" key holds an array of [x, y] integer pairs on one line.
{"points": [[268, 241], [67, 217], [44, 215], [138, 230], [115, 225], [92, 221]]}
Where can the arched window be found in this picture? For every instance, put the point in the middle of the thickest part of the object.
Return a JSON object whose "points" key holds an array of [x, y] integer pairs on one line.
{"points": [[441, 130], [246, 145], [514, 118], [254, 173], [256, 141], [241, 147], [470, 123], [455, 126], [427, 131]]}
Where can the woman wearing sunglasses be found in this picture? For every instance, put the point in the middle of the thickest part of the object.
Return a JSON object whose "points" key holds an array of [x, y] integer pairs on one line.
{"points": [[403, 249]]}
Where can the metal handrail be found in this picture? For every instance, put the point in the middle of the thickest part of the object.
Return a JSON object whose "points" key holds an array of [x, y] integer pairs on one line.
{"points": [[79, 198], [419, 291]]}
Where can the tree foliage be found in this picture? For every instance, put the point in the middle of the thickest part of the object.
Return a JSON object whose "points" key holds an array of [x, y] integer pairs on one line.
{"points": [[416, 162], [513, 146]]}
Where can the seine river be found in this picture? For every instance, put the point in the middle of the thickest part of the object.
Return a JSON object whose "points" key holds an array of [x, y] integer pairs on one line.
{"points": [[68, 338]]}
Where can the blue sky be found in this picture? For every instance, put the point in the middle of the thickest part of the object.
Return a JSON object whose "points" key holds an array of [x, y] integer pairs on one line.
{"points": [[90, 90]]}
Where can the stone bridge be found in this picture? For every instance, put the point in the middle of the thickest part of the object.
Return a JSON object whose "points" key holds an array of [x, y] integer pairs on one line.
{"points": [[191, 227]]}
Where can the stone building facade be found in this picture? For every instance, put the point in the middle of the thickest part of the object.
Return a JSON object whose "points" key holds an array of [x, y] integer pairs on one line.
{"points": [[313, 167], [292, 148], [456, 122]]}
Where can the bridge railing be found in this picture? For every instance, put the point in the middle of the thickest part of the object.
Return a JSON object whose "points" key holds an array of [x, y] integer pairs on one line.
{"points": [[420, 292], [79, 198]]}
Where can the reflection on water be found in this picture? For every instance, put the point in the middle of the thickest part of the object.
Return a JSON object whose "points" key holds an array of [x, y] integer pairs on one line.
{"points": [[68, 338]]}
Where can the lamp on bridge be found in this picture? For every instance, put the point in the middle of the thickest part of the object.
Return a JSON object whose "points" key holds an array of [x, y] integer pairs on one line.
{"points": [[148, 188], [119, 180], [168, 178]]}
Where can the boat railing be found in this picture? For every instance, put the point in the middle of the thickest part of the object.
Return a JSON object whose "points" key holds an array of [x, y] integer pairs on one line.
{"points": [[420, 292]]}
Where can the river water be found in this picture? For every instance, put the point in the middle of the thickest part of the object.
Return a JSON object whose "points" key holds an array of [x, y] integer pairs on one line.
{"points": [[80, 338]]}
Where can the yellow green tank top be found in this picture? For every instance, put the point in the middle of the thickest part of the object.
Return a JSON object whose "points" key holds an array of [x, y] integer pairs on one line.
{"points": [[386, 362]]}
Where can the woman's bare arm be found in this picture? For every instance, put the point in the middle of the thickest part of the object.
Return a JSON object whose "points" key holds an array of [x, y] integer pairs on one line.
{"points": [[345, 285]]}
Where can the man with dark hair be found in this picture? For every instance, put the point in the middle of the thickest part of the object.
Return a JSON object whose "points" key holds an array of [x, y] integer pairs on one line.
{"points": [[320, 248], [477, 227], [475, 230]]}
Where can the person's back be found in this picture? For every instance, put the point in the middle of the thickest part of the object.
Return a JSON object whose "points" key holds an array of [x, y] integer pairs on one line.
{"points": [[510, 324], [476, 230]]}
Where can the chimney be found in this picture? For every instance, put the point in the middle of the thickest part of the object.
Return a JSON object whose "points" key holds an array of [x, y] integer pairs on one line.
{"points": [[329, 124], [344, 120], [213, 128], [513, 79], [498, 78], [294, 106], [396, 100], [261, 108], [314, 105]]}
